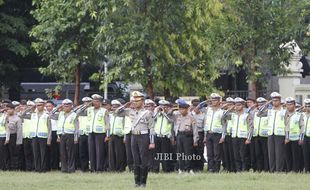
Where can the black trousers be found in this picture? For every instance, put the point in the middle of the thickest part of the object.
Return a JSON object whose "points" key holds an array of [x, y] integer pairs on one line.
{"points": [[4, 155], [199, 163], [293, 156], [96, 149], [261, 153], [214, 152], [67, 153], [28, 154], [184, 147], [14, 153], [77, 157], [252, 156], [240, 151], [39, 153], [229, 154], [83, 153], [162, 148], [106, 156], [140, 150], [54, 152], [276, 153], [129, 156], [117, 154], [141, 153], [306, 153]]}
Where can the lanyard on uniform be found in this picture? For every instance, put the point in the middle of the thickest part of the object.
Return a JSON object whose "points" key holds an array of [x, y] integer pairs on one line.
{"points": [[137, 122]]}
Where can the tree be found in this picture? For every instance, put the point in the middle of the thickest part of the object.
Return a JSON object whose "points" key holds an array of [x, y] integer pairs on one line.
{"points": [[250, 35], [162, 44], [15, 50], [63, 38]]}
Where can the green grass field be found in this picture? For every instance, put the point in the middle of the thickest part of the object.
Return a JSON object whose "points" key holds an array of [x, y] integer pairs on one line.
{"points": [[93, 181]]}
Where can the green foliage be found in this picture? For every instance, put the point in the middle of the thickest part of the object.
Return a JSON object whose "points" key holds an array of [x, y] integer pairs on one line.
{"points": [[251, 32], [64, 36], [14, 41], [175, 45], [164, 42]]}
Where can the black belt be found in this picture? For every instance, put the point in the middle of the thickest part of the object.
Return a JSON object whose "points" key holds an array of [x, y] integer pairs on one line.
{"points": [[162, 136], [185, 132]]}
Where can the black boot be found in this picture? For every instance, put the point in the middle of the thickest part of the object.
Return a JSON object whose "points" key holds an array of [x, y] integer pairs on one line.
{"points": [[137, 174], [144, 172], [217, 166]]}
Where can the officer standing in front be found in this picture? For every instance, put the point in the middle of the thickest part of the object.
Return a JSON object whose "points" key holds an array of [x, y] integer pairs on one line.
{"points": [[142, 139]]}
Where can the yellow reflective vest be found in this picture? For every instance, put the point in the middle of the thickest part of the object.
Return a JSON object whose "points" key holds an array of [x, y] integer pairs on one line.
{"points": [[2, 125], [261, 127], [39, 127], [276, 122], [96, 121], [239, 125], [27, 124], [83, 124], [213, 121], [162, 125], [116, 125], [66, 123], [127, 125], [307, 124], [294, 127]]}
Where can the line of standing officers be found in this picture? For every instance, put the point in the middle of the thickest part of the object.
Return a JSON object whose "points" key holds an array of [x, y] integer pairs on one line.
{"points": [[102, 135]]}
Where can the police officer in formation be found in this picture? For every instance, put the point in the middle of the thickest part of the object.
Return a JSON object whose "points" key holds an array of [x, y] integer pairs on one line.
{"points": [[164, 136], [186, 133], [40, 132], [239, 135], [67, 135], [98, 126], [142, 139], [116, 142], [199, 117], [213, 127]]}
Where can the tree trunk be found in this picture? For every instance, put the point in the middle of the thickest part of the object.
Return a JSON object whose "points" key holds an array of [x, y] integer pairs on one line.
{"points": [[148, 62], [252, 89], [150, 89], [77, 84], [167, 94], [148, 66]]}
